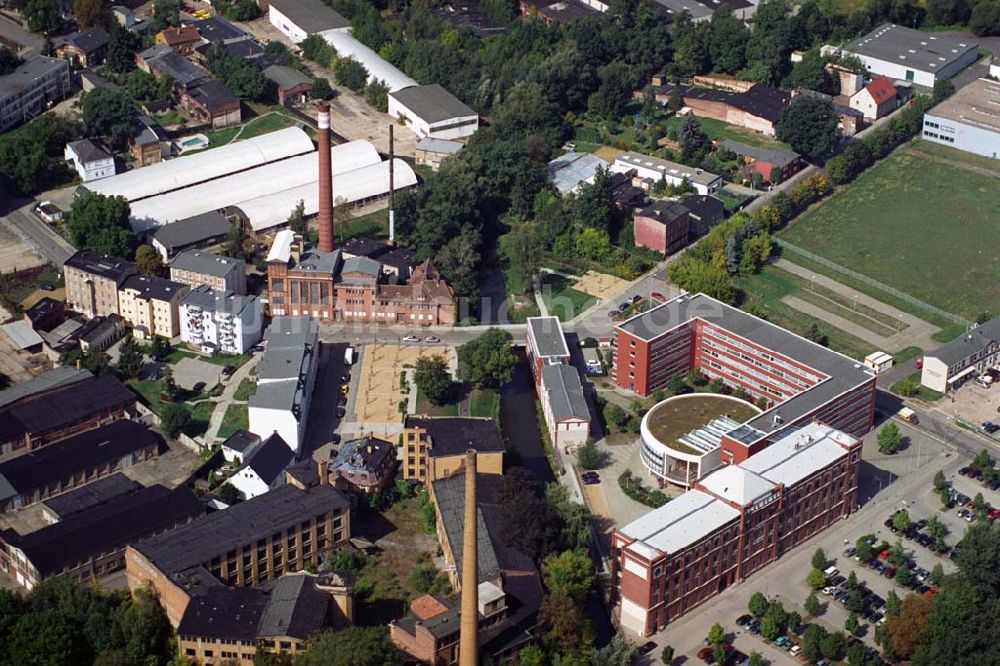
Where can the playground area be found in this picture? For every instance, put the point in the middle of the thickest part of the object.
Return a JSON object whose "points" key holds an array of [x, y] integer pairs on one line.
{"points": [[379, 392], [600, 285]]}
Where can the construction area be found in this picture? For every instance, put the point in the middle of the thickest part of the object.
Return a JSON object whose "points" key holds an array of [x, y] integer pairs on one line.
{"points": [[600, 285], [379, 389]]}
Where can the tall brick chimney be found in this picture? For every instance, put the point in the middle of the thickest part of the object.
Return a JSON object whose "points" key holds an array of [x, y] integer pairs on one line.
{"points": [[325, 179], [468, 637]]}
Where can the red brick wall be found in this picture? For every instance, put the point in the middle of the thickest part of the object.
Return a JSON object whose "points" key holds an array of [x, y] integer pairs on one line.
{"points": [[650, 233]]}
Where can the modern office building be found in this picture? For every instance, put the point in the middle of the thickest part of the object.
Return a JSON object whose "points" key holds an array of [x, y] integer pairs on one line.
{"points": [[969, 120], [962, 359], [245, 545], [220, 320], [793, 379], [434, 447], [31, 89], [913, 55], [735, 521]]}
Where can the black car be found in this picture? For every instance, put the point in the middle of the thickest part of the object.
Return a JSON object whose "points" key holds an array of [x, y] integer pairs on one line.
{"points": [[921, 524], [744, 621], [888, 523], [646, 648], [228, 371], [754, 628], [199, 387], [342, 401], [335, 439], [341, 412], [346, 377]]}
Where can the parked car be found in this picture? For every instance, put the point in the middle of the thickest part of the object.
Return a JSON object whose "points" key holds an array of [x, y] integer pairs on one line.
{"points": [[342, 401], [432, 339], [411, 338], [228, 371], [341, 412], [622, 307], [612, 313], [646, 648], [849, 552], [744, 621], [335, 439], [636, 298]]}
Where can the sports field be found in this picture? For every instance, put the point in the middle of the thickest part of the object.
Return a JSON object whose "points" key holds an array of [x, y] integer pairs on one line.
{"points": [[924, 221]]}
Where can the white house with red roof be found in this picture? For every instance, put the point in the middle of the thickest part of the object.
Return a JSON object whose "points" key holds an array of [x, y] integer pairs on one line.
{"points": [[877, 99]]}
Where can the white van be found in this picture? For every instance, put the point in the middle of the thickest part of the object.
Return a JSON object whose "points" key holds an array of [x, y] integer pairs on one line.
{"points": [[984, 380], [830, 572], [908, 415]]}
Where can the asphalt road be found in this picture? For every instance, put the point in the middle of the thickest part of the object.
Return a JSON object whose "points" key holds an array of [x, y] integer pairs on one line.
{"points": [[38, 234]]}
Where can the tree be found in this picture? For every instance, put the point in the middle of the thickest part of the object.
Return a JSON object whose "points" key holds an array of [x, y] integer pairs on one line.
{"points": [[810, 73], [101, 223], [147, 260], [852, 581], [985, 19], [130, 358], [833, 645], [901, 520], [613, 94], [569, 632], [794, 622], [947, 12], [811, 640], [811, 126], [320, 88], [351, 73], [815, 580], [812, 605], [458, 261], [174, 419], [937, 574], [108, 114], [758, 605], [43, 15], [897, 556], [906, 387], [903, 576], [589, 456], [693, 141], [667, 656], [353, 646], [92, 13], [716, 634], [618, 652], [944, 495], [433, 380], [814, 334], [727, 41], [569, 572], [487, 360], [521, 250], [851, 625], [773, 621], [297, 218], [819, 559], [939, 482], [97, 362], [8, 61], [159, 348], [122, 43], [166, 13], [982, 461], [904, 628], [889, 438], [892, 602], [756, 659]]}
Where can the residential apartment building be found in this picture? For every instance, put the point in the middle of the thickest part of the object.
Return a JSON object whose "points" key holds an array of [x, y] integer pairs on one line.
{"points": [[90, 160], [286, 375], [152, 305], [664, 226], [794, 379], [93, 280], [30, 89], [247, 544], [647, 171], [197, 267], [876, 100], [148, 143], [327, 285], [735, 521], [90, 541], [74, 462], [220, 320], [435, 447], [42, 417], [84, 49], [560, 390], [962, 359], [968, 119]]}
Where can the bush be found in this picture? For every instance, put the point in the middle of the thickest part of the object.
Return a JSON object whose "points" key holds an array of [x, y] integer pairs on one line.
{"points": [[633, 487], [174, 419], [589, 456]]}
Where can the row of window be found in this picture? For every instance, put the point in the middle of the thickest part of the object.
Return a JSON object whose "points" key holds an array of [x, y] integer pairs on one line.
{"points": [[811, 377], [939, 137]]}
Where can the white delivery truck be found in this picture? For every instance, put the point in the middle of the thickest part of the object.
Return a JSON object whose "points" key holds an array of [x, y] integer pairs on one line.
{"points": [[349, 355]]}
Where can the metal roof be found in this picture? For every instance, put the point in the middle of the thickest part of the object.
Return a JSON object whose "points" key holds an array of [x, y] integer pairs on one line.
{"points": [[311, 16], [206, 263], [737, 484], [348, 46], [799, 454], [547, 336], [21, 333], [913, 49], [432, 104], [565, 392], [776, 156], [570, 169], [678, 524], [630, 160], [205, 166], [976, 104], [439, 146]]}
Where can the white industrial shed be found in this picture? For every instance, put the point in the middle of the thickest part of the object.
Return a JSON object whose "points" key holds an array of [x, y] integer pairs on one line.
{"points": [[348, 46], [208, 165], [369, 182], [297, 19]]}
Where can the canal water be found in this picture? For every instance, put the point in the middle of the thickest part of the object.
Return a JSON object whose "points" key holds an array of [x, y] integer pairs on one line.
{"points": [[519, 424]]}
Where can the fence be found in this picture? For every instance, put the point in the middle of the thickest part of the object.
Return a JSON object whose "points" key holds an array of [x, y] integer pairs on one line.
{"points": [[871, 282]]}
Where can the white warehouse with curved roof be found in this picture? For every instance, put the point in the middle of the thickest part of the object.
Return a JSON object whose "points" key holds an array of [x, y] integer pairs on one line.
{"points": [[208, 165], [347, 45]]}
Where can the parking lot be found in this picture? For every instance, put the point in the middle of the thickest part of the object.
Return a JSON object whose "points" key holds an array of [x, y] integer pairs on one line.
{"points": [[975, 405], [888, 482]]}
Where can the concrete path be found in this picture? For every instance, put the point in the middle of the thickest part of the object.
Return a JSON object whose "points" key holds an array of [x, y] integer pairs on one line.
{"points": [[226, 399], [536, 286], [917, 332]]}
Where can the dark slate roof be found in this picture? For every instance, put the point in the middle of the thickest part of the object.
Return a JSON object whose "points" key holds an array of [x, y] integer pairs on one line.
{"points": [[304, 471], [295, 608], [566, 399], [363, 246], [548, 336], [452, 435], [217, 28], [270, 459], [44, 307], [760, 101], [63, 375], [363, 455], [449, 495], [310, 15], [90, 495], [163, 59], [198, 261], [779, 157], [361, 265], [286, 77], [245, 48], [63, 459], [842, 373], [663, 210], [88, 151], [975, 340], [211, 94], [107, 527], [153, 287], [102, 265], [704, 207], [66, 405], [432, 103], [98, 327], [194, 544], [563, 11], [241, 440], [146, 131], [91, 40], [400, 258], [192, 230], [224, 612]]}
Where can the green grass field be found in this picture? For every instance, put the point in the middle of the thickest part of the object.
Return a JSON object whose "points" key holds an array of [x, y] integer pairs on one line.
{"points": [[561, 299], [236, 417], [717, 130], [916, 223], [485, 403]]}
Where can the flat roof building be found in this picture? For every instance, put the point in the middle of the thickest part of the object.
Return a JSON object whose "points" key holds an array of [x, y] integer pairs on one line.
{"points": [[297, 19], [197, 267], [782, 496], [969, 120], [31, 89], [913, 55], [650, 170], [571, 170]]}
